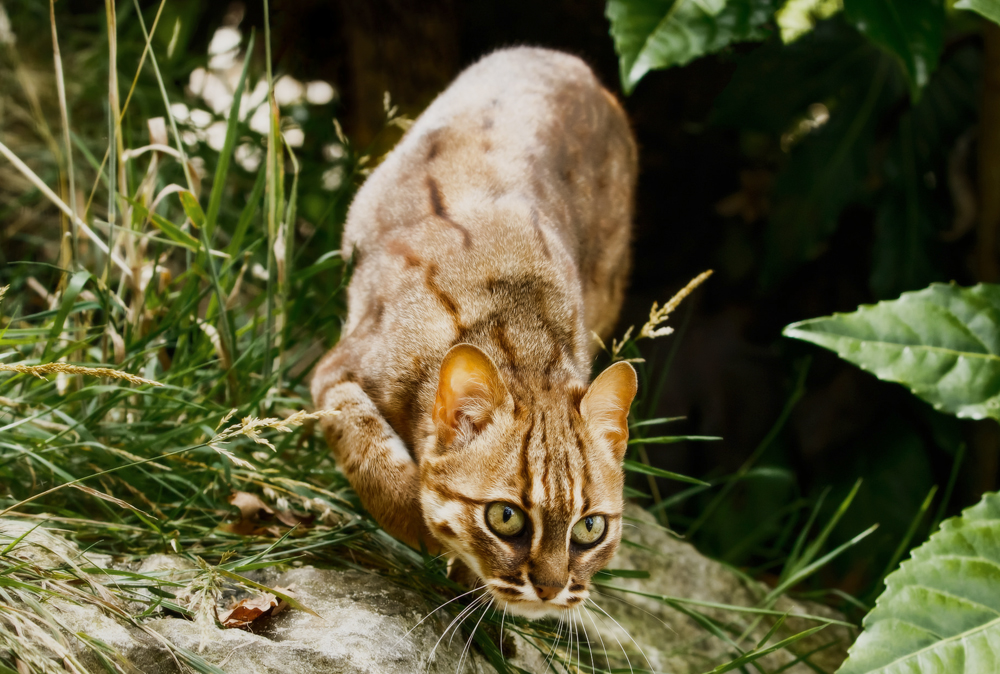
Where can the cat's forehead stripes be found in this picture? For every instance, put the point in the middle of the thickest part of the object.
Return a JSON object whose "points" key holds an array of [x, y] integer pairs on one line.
{"points": [[553, 472]]}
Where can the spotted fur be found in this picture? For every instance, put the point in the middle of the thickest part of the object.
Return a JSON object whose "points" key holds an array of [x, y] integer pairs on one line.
{"points": [[489, 245]]}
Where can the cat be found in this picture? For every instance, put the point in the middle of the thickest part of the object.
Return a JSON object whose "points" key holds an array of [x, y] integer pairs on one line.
{"points": [[489, 245]]}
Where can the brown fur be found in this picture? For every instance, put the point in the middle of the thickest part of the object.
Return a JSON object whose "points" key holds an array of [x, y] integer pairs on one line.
{"points": [[491, 242]]}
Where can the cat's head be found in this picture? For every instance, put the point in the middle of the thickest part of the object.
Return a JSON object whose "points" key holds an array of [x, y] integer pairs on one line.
{"points": [[527, 493]]}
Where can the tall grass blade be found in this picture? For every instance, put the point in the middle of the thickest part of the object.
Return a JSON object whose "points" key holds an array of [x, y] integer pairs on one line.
{"points": [[226, 154], [756, 654], [806, 571], [904, 542], [952, 478], [73, 243], [820, 540]]}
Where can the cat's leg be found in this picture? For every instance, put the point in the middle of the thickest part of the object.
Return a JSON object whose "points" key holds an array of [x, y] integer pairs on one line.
{"points": [[377, 464]]}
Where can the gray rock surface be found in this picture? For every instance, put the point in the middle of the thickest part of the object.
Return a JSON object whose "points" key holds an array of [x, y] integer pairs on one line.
{"points": [[673, 642], [369, 624], [364, 627]]}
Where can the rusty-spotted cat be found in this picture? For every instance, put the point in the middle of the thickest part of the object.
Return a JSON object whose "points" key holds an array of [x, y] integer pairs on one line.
{"points": [[489, 244]]}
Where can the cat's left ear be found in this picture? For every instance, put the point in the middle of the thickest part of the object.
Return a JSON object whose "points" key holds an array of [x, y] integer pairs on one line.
{"points": [[469, 390], [605, 406]]}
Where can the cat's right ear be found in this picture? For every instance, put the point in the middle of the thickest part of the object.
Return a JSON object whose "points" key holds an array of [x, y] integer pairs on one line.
{"points": [[469, 390]]}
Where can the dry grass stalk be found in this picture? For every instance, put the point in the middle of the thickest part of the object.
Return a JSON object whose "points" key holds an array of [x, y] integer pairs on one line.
{"points": [[41, 370], [73, 243], [251, 427], [654, 326], [657, 316]]}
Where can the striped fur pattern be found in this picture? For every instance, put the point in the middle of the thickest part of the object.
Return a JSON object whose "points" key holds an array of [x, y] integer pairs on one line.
{"points": [[488, 245]]}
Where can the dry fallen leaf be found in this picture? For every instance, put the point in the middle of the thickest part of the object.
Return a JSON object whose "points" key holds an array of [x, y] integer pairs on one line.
{"points": [[250, 505], [249, 610], [258, 519], [254, 608]]}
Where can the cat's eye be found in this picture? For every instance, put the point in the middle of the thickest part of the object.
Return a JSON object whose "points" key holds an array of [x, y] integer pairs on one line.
{"points": [[588, 530], [505, 519]]}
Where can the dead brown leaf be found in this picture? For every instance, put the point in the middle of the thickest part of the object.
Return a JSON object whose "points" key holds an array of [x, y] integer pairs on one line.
{"points": [[248, 610], [250, 505], [259, 519], [263, 605]]}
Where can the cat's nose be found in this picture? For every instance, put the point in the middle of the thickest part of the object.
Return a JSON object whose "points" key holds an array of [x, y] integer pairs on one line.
{"points": [[547, 592]]}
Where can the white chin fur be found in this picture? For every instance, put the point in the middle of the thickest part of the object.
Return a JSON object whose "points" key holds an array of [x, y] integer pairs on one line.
{"points": [[532, 610]]}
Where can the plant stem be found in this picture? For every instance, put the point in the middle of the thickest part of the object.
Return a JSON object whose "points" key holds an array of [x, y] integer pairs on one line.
{"points": [[74, 248]]}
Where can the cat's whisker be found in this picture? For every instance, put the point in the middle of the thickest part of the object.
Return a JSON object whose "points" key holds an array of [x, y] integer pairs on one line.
{"points": [[572, 637], [502, 619], [636, 607], [579, 642], [648, 663], [464, 594], [590, 646], [470, 609], [624, 652], [598, 629], [469, 612], [463, 612], [471, 637], [569, 637], [555, 643]]}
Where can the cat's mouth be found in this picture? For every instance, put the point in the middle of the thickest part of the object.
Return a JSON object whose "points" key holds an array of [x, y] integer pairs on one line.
{"points": [[528, 603]]}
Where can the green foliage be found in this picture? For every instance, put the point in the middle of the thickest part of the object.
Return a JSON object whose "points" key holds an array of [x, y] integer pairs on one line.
{"points": [[988, 8], [943, 343], [839, 131], [656, 34], [798, 17], [939, 612], [849, 138], [911, 30]]}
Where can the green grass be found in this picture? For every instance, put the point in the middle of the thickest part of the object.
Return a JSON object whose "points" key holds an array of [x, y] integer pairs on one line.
{"points": [[220, 298]]}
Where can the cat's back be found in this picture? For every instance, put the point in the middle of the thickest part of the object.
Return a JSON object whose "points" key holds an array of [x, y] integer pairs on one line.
{"points": [[523, 128], [501, 219]]}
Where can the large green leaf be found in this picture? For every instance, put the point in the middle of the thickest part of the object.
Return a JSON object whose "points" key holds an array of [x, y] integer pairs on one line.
{"points": [[654, 34], [940, 612], [942, 342], [912, 30], [988, 8]]}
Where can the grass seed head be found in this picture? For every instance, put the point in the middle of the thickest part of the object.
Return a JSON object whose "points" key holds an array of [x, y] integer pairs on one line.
{"points": [[62, 368]]}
